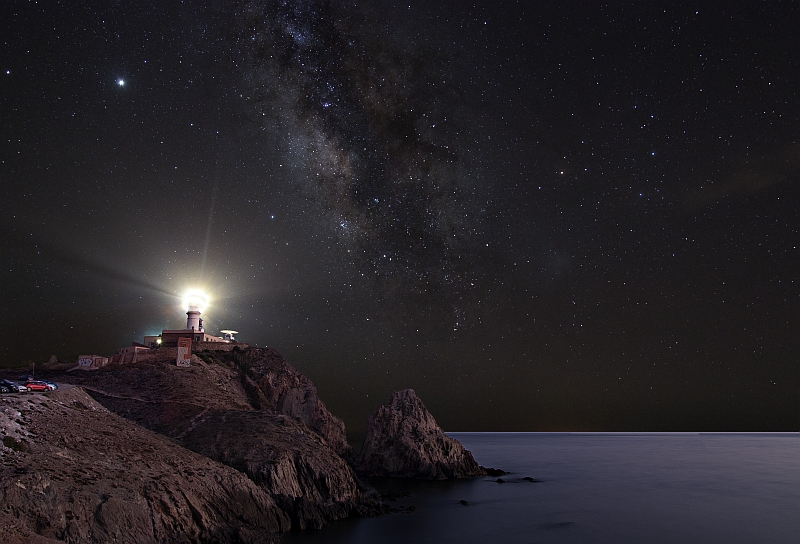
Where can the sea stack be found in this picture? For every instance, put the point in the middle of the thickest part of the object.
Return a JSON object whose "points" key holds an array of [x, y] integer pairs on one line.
{"points": [[404, 441]]}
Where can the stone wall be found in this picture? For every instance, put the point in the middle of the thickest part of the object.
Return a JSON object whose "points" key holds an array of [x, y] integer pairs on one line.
{"points": [[156, 354], [171, 353], [217, 346]]}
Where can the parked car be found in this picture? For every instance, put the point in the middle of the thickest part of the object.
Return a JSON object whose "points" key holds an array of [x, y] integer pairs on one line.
{"points": [[51, 385], [7, 386], [37, 385]]}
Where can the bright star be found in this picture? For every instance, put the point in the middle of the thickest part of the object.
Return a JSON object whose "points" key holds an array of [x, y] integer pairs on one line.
{"points": [[121, 82]]}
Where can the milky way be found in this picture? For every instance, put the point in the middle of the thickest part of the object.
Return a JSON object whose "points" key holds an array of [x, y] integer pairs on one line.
{"points": [[368, 137]]}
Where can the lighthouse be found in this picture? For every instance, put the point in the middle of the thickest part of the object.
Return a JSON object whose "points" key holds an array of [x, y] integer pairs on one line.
{"points": [[195, 302], [193, 319]]}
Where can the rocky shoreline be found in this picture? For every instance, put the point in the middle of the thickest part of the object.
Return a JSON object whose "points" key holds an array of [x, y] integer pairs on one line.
{"points": [[236, 448]]}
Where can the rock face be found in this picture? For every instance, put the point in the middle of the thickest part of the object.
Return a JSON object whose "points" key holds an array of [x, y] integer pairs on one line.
{"points": [[252, 411], [404, 441], [285, 458], [165, 398], [73, 471], [289, 392]]}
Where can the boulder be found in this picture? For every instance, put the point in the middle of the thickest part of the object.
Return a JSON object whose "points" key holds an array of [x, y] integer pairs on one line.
{"points": [[404, 441]]}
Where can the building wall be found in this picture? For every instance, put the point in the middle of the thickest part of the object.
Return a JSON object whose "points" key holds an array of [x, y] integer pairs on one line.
{"points": [[151, 341], [170, 337], [129, 354], [92, 361]]}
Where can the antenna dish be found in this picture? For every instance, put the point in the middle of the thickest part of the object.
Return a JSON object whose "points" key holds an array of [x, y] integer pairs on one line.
{"points": [[228, 334]]}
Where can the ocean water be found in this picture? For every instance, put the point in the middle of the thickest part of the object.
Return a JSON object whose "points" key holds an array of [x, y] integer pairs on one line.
{"points": [[599, 488]]}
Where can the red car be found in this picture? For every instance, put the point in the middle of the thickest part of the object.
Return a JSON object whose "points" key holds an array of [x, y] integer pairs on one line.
{"points": [[36, 385]]}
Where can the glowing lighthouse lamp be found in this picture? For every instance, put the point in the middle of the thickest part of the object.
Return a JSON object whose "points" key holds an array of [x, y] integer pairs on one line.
{"points": [[196, 301]]}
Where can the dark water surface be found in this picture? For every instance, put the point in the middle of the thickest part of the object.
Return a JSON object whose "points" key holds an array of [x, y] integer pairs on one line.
{"points": [[600, 488]]}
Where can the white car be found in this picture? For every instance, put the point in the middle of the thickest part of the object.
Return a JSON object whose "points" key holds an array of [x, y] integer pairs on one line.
{"points": [[7, 386]]}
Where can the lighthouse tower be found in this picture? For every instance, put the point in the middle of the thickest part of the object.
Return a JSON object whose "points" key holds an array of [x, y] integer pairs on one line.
{"points": [[193, 319]]}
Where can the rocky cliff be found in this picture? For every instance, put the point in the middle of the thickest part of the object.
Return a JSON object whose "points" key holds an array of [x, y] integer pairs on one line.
{"points": [[289, 392], [252, 411], [73, 471], [236, 448], [284, 457], [404, 441]]}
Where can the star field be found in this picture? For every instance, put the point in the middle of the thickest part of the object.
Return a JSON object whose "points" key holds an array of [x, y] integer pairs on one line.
{"points": [[566, 217]]}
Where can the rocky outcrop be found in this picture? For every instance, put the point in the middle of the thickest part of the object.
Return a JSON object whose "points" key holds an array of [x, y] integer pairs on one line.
{"points": [[250, 410], [73, 471], [404, 441], [289, 392], [161, 396], [165, 398], [286, 459]]}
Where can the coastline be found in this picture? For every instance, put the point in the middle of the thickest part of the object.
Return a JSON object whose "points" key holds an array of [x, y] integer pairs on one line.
{"points": [[606, 488]]}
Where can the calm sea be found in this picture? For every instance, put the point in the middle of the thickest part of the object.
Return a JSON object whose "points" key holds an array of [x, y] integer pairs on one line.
{"points": [[599, 488]]}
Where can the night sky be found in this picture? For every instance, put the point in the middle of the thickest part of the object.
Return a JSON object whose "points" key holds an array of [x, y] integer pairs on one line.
{"points": [[538, 215]]}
